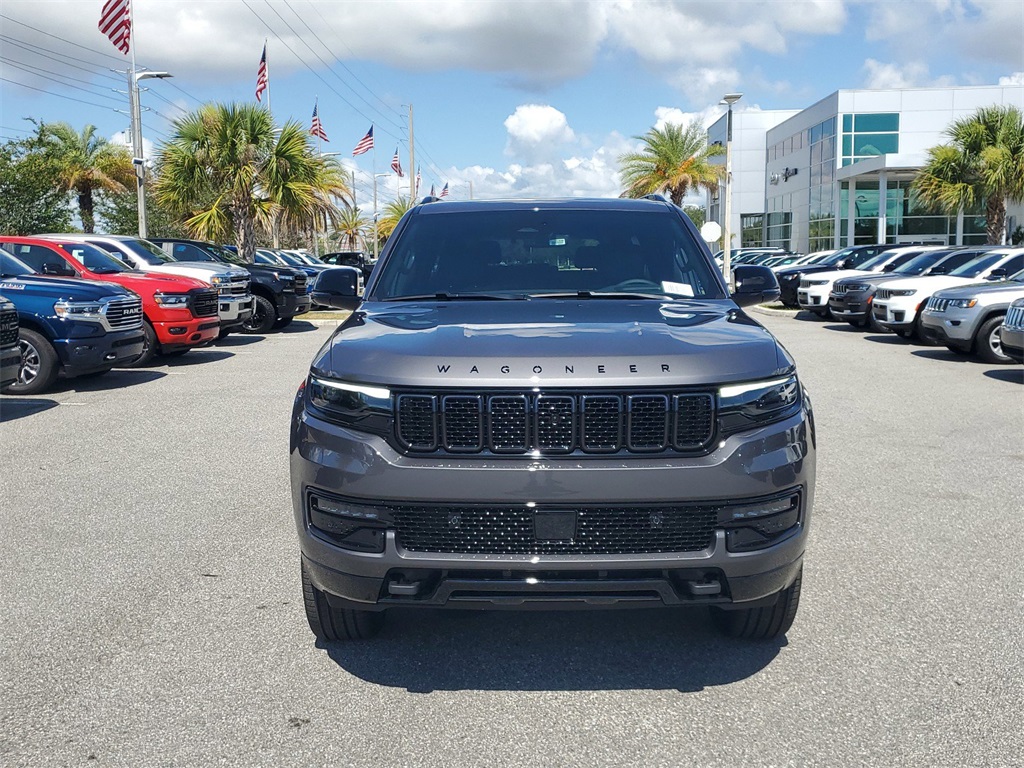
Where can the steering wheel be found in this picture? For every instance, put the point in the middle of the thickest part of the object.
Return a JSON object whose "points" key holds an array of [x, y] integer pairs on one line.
{"points": [[636, 284]]}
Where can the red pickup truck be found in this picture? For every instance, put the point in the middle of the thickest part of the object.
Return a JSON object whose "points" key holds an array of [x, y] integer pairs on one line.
{"points": [[180, 312]]}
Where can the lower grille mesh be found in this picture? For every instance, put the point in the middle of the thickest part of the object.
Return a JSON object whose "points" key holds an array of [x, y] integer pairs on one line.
{"points": [[510, 530]]}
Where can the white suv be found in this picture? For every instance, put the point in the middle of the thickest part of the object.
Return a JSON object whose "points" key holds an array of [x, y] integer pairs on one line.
{"points": [[815, 288], [898, 303], [967, 318]]}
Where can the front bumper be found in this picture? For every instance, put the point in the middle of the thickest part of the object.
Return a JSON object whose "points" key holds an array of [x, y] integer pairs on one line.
{"points": [[364, 468], [233, 311], [1012, 340], [291, 305], [952, 328], [86, 355], [813, 298], [196, 331], [896, 314], [788, 291], [10, 363], [850, 306]]}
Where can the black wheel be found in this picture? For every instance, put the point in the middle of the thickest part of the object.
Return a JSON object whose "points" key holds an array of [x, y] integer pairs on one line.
{"points": [[39, 365], [284, 322], [331, 624], [223, 334], [822, 313], [262, 318], [858, 323], [150, 348], [873, 324], [987, 344], [917, 333], [766, 623], [903, 334]]}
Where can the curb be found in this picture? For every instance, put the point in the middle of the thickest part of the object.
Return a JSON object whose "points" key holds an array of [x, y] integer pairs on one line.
{"points": [[767, 311]]}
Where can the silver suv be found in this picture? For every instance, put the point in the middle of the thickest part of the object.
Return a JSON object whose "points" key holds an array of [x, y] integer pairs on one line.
{"points": [[551, 404], [967, 318]]}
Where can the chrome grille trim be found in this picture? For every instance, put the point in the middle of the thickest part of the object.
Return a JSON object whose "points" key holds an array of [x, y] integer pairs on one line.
{"points": [[1014, 318], [935, 304], [122, 314]]}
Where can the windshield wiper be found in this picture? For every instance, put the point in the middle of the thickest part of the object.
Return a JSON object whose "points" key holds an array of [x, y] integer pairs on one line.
{"points": [[605, 295], [459, 297]]}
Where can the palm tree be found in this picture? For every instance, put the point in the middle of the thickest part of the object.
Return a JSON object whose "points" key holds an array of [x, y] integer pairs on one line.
{"points": [[88, 163], [675, 160], [984, 163], [393, 212], [350, 227], [229, 170]]}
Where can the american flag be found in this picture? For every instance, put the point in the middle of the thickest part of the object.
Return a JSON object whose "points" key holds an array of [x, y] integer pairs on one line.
{"points": [[396, 164], [444, 190], [365, 144], [261, 75], [419, 178], [432, 192], [317, 129], [116, 23]]}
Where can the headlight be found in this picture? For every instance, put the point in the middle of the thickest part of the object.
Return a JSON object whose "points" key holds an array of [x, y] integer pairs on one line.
{"points": [[364, 407], [78, 310], [903, 292], [216, 280], [816, 282], [743, 406], [171, 300], [962, 303]]}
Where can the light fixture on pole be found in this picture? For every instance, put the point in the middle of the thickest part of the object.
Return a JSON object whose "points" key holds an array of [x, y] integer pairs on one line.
{"points": [[729, 99], [375, 236], [138, 158]]}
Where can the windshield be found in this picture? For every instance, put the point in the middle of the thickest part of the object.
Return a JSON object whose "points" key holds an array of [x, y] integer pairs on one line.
{"points": [[223, 253], [880, 259], [11, 267], [262, 257], [979, 265], [835, 258], [287, 258], [94, 259], [919, 263], [536, 252], [146, 251]]}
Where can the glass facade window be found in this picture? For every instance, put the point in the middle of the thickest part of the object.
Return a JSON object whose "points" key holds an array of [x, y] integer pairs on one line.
{"points": [[869, 135], [752, 228], [822, 181], [779, 230]]}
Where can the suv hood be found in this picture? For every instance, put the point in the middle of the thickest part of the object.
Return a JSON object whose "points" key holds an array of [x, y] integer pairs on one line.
{"points": [[975, 289], [553, 342], [928, 284], [59, 288], [150, 282]]}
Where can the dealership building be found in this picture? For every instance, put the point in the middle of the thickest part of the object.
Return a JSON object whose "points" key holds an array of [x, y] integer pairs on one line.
{"points": [[839, 172]]}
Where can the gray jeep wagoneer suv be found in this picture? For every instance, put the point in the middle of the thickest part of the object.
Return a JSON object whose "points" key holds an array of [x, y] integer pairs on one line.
{"points": [[551, 404]]}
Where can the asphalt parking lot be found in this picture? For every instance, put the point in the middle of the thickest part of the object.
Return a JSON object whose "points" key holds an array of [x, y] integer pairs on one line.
{"points": [[152, 615]]}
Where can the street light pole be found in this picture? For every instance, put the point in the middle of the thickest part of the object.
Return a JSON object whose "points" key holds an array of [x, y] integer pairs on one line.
{"points": [[730, 99], [138, 158], [375, 236]]}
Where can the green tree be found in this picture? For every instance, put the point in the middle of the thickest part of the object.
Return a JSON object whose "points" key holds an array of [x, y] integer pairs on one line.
{"points": [[350, 227], [119, 215], [88, 163], [31, 199], [229, 171], [393, 212], [673, 160], [982, 164], [697, 215]]}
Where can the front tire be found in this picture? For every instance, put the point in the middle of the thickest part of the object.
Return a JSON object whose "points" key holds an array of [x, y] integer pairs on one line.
{"points": [[334, 624], [988, 346], [150, 347], [284, 322], [39, 365], [262, 318], [765, 623]]}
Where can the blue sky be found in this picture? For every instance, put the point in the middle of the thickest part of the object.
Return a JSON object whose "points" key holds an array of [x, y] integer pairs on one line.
{"points": [[522, 98]]}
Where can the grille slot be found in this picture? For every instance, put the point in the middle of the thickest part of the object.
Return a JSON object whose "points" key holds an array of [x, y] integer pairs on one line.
{"points": [[236, 286], [517, 423], [936, 304], [8, 327], [502, 530], [202, 302]]}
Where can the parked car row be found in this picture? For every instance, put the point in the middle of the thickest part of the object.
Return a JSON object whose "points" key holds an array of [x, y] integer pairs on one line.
{"points": [[957, 296], [81, 304]]}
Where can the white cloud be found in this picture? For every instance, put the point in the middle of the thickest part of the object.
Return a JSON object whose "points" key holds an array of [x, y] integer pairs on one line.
{"points": [[537, 124], [1017, 78], [912, 74], [675, 116]]}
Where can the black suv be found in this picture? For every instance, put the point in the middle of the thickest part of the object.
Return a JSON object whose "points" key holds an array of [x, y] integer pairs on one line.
{"points": [[358, 259], [551, 404]]}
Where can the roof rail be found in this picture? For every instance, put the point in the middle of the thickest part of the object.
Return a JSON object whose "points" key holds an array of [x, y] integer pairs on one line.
{"points": [[657, 197], [430, 199]]}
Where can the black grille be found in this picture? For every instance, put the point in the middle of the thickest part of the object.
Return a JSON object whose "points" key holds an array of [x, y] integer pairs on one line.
{"points": [[203, 302], [510, 530], [516, 423], [8, 327], [300, 283]]}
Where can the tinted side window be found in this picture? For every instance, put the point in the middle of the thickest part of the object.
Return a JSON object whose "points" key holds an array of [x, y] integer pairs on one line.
{"points": [[188, 252], [1014, 265], [34, 256]]}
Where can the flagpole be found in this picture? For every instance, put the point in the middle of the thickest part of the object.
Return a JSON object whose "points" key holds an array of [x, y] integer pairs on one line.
{"points": [[136, 121], [412, 161], [373, 164]]}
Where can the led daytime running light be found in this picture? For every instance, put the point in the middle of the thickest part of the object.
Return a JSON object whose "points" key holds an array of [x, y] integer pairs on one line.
{"points": [[734, 390], [377, 393]]}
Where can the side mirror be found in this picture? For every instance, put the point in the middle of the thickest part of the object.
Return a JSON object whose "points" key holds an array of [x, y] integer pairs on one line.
{"points": [[997, 274], [58, 268], [754, 285], [337, 287], [936, 270], [889, 267], [844, 264]]}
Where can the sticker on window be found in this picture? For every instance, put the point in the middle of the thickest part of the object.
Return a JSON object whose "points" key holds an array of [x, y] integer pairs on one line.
{"points": [[679, 289]]}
